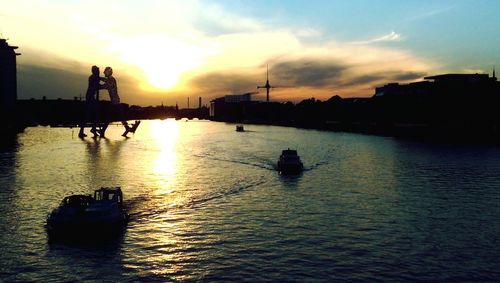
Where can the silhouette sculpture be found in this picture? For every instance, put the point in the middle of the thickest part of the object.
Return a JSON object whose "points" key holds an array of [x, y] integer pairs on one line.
{"points": [[91, 103], [116, 109]]}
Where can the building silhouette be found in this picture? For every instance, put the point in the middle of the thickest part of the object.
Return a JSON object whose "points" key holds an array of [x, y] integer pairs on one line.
{"points": [[8, 78], [455, 84], [231, 106]]}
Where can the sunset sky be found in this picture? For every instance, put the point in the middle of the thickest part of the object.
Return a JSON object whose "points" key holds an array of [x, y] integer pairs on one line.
{"points": [[165, 51]]}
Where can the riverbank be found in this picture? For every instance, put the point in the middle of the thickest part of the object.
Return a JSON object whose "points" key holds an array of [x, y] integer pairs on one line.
{"points": [[437, 133]]}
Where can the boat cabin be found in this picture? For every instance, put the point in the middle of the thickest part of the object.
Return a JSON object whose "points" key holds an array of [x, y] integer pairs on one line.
{"points": [[77, 201], [110, 194], [289, 152]]}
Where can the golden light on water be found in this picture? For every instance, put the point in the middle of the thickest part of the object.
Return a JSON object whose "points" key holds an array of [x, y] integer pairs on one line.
{"points": [[166, 134], [166, 139]]}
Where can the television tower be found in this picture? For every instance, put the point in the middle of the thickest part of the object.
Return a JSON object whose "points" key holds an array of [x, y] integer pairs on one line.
{"points": [[267, 86]]}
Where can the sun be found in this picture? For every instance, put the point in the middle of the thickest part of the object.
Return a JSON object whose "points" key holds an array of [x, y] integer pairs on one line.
{"points": [[161, 60], [159, 76]]}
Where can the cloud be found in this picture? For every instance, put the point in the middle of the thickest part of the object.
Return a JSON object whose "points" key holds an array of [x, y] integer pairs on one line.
{"points": [[392, 36], [308, 72], [361, 80], [216, 21], [302, 78], [223, 83], [409, 76], [430, 13], [382, 78], [37, 81], [308, 32]]}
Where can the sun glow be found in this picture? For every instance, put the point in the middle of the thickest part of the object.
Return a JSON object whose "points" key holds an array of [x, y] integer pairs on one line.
{"points": [[161, 60]]}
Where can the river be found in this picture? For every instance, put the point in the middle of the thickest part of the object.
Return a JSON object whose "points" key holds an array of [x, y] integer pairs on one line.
{"points": [[207, 204]]}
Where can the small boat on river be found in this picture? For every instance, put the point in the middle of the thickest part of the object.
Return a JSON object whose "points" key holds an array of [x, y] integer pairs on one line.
{"points": [[239, 128], [87, 216], [289, 162]]}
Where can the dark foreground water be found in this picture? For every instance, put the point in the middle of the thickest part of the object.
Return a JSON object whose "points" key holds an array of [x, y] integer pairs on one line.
{"points": [[208, 205]]}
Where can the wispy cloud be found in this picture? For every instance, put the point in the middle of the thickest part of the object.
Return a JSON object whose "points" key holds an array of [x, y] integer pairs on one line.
{"points": [[430, 13], [392, 36], [308, 32]]}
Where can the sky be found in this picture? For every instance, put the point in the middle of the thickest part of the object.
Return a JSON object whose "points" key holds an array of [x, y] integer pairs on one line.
{"points": [[166, 51]]}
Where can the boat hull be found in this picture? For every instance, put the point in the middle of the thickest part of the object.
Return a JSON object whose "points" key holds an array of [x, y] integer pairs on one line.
{"points": [[85, 230], [288, 169]]}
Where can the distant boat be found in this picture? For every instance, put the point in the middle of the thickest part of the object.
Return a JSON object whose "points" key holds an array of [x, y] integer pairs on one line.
{"points": [[87, 216], [289, 162], [239, 128]]}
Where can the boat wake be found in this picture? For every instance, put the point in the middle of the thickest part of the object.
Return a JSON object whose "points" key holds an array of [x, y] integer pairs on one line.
{"points": [[315, 166], [267, 165], [142, 207], [237, 188]]}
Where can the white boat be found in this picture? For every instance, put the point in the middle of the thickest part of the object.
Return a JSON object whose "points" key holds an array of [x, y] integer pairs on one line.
{"points": [[289, 162], [84, 215]]}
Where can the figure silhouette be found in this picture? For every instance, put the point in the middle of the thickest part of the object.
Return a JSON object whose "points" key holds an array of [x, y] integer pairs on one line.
{"points": [[91, 101], [116, 109]]}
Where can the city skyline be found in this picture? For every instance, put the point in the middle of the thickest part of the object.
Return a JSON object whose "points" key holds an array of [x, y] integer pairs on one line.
{"points": [[165, 52]]}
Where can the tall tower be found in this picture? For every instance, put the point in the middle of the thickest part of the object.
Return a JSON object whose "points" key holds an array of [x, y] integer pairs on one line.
{"points": [[8, 78], [494, 76], [267, 86]]}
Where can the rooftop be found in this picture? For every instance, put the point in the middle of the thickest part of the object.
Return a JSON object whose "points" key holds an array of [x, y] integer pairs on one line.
{"points": [[458, 77]]}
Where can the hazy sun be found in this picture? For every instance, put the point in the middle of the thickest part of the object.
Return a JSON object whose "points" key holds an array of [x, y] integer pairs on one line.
{"points": [[160, 59]]}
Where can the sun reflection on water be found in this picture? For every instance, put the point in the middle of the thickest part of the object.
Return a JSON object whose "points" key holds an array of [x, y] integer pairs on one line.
{"points": [[164, 163], [166, 133]]}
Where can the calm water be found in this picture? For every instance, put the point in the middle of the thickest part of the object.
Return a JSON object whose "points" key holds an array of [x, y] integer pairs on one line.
{"points": [[207, 204]]}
